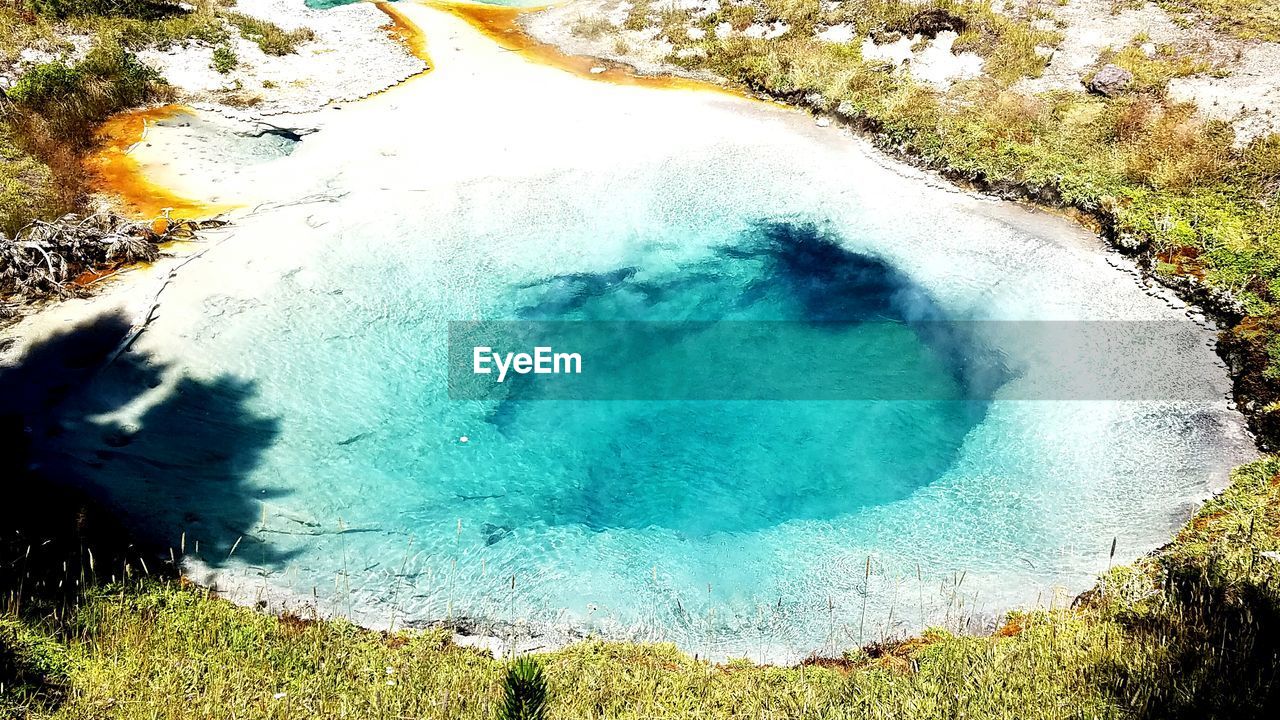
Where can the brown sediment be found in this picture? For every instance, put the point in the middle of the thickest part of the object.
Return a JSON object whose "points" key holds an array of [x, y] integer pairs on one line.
{"points": [[841, 664], [117, 173], [293, 624], [1012, 628], [1185, 259], [93, 275], [407, 32], [501, 24]]}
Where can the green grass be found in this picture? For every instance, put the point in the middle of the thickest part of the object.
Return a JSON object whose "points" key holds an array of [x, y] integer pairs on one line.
{"points": [[27, 187], [163, 32], [1187, 632], [80, 8], [48, 121], [591, 28], [268, 36], [70, 97], [638, 15], [134, 23], [224, 59], [31, 665], [1249, 19], [1152, 73], [24, 30]]}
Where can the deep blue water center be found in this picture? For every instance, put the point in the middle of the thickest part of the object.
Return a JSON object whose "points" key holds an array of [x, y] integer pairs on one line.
{"points": [[710, 466]]}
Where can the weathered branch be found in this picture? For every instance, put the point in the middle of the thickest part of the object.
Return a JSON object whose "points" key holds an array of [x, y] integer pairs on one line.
{"points": [[45, 258]]}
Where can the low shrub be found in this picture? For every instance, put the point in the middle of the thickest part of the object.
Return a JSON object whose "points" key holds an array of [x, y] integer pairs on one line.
{"points": [[68, 99], [27, 188], [590, 28], [48, 121], [224, 59], [107, 8]]}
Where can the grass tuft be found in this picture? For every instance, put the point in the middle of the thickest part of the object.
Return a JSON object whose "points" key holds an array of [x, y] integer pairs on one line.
{"points": [[1248, 19], [224, 59], [268, 36], [591, 28]]}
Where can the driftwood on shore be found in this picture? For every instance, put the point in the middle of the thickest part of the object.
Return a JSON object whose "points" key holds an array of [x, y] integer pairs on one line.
{"points": [[60, 258]]}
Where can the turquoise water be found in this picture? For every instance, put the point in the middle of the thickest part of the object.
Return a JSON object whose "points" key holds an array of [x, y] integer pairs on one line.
{"points": [[287, 423], [701, 468]]}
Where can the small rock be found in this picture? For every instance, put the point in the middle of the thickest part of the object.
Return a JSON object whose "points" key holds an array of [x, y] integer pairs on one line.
{"points": [[823, 121], [597, 70], [1111, 80], [816, 100], [1127, 241]]}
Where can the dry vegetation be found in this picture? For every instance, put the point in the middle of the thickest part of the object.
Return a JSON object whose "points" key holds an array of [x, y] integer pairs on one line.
{"points": [[60, 259], [48, 120]]}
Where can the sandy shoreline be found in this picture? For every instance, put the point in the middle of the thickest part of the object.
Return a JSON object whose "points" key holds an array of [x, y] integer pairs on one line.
{"points": [[287, 196]]}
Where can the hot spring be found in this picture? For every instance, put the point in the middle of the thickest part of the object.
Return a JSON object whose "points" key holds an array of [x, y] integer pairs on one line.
{"points": [[287, 419]]}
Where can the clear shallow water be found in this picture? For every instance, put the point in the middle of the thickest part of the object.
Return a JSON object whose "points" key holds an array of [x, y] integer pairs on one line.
{"points": [[313, 446]]}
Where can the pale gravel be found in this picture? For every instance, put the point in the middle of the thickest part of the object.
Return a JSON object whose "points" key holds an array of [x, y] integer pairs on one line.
{"points": [[1248, 97], [352, 56]]}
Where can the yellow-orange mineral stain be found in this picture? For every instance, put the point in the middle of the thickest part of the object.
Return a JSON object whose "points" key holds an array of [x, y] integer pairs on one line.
{"points": [[407, 32], [501, 24], [116, 172]]}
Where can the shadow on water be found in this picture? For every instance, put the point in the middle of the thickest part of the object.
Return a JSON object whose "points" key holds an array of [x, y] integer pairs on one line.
{"points": [[80, 480], [825, 282]]}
